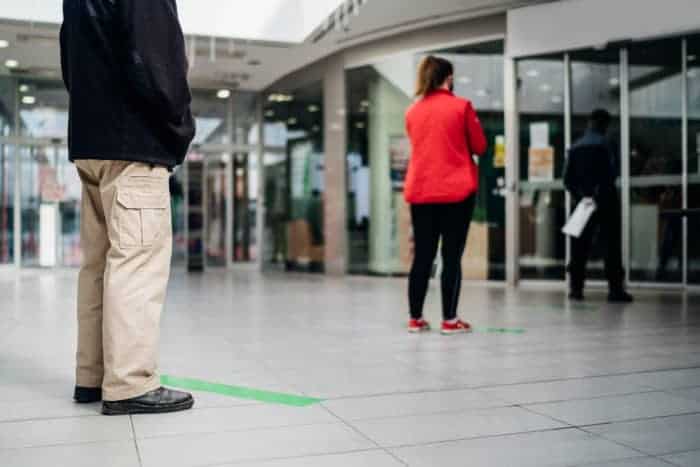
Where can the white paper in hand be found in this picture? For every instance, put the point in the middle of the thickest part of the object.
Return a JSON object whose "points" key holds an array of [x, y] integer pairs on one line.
{"points": [[579, 219]]}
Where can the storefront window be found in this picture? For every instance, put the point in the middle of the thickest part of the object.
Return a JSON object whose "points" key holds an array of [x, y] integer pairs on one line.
{"points": [[294, 179], [7, 170], [693, 167], [542, 160], [43, 109], [656, 161]]}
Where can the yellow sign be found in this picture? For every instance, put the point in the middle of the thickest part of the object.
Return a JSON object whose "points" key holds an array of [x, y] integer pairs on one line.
{"points": [[499, 154]]}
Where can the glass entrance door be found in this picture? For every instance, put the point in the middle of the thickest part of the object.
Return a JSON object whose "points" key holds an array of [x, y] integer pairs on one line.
{"points": [[692, 60], [217, 206], [655, 232]]}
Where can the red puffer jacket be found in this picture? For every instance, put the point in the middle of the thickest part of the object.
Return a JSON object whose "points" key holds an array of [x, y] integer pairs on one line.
{"points": [[444, 131]]}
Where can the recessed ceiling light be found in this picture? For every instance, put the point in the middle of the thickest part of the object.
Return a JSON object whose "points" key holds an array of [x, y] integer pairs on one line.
{"points": [[280, 98], [482, 93], [4, 44], [23, 88], [533, 73], [223, 94], [364, 103], [614, 82], [464, 80], [270, 113], [29, 100], [314, 108], [557, 99], [292, 121], [545, 87], [11, 63]]}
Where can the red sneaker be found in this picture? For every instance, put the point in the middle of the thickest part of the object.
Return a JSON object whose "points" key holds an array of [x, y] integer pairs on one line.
{"points": [[458, 327], [418, 325]]}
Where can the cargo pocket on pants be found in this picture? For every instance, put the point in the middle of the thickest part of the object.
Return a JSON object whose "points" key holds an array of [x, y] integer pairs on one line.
{"points": [[140, 217]]}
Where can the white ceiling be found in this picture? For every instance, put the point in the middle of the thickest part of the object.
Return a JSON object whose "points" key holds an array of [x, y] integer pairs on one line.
{"points": [[268, 20], [247, 64]]}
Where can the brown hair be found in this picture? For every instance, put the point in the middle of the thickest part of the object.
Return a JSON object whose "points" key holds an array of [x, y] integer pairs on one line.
{"points": [[432, 74]]}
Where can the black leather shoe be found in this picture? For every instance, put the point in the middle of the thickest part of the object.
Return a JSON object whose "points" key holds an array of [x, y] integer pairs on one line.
{"points": [[620, 296], [161, 400], [576, 295], [84, 395]]}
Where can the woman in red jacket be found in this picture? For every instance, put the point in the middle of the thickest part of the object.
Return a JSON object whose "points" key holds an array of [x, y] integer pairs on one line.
{"points": [[441, 186]]}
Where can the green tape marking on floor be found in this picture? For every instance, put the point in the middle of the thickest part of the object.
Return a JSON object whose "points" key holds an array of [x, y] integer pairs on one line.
{"points": [[238, 392], [501, 330]]}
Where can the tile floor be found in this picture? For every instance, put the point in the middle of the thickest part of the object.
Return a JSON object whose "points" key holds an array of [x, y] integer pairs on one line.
{"points": [[575, 385]]}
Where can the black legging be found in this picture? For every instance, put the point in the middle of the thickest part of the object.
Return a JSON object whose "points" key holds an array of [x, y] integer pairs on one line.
{"points": [[430, 223]]}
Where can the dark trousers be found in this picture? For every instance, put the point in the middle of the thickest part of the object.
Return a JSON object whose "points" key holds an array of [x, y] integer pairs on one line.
{"points": [[431, 222], [606, 221]]}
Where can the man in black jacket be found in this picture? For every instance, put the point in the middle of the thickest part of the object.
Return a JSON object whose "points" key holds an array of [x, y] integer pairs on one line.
{"points": [[591, 172], [125, 68]]}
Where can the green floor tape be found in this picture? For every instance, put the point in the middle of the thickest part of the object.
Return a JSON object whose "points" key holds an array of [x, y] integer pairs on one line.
{"points": [[238, 392]]}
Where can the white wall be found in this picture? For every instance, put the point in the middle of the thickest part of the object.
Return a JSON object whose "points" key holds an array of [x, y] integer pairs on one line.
{"points": [[573, 24]]}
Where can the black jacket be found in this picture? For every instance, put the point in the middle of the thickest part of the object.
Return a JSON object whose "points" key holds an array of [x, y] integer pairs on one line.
{"points": [[591, 168], [125, 68]]}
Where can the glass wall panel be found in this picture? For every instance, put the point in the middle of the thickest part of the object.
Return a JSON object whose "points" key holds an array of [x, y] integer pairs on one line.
{"points": [[294, 179], [212, 115], [542, 160], [595, 84], [43, 109], [379, 223], [7, 170], [656, 162], [693, 77]]}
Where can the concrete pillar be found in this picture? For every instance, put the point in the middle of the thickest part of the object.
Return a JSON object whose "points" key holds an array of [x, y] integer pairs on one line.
{"points": [[335, 196]]}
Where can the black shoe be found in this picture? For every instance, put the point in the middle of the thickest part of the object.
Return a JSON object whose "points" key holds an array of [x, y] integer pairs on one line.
{"points": [[620, 296], [576, 295], [161, 400], [87, 395]]}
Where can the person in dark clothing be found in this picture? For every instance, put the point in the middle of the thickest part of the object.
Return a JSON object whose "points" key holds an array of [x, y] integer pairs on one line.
{"points": [[125, 68], [591, 172]]}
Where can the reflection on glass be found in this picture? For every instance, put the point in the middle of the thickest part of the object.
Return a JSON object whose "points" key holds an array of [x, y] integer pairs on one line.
{"points": [[177, 205], [43, 109], [70, 254], [693, 77], [656, 161], [7, 190], [294, 179], [244, 209], [211, 115], [542, 159], [595, 84], [216, 204]]}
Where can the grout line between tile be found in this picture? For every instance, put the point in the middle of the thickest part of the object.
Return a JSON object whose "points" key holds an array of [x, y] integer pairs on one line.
{"points": [[136, 441]]}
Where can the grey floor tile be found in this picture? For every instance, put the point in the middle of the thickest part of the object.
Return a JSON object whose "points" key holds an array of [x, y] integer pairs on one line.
{"points": [[109, 454], [673, 379], [617, 408], [685, 459], [580, 388], [43, 409], [688, 393], [560, 448], [229, 419], [631, 462], [222, 448], [397, 405], [402, 431], [355, 459], [64, 431], [655, 436]]}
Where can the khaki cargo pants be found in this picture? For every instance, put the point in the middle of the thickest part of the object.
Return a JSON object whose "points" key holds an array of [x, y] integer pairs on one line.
{"points": [[126, 237]]}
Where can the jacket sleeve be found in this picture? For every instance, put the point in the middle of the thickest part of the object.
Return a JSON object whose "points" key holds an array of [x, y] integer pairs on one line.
{"points": [[475, 132], [155, 60]]}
